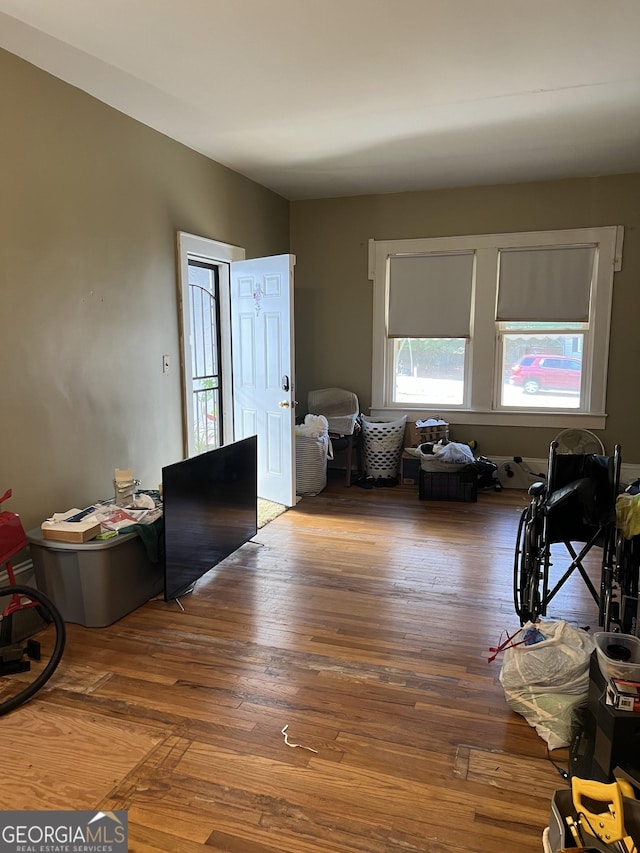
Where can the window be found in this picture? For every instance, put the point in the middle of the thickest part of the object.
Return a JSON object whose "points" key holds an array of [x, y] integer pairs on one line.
{"points": [[430, 326], [503, 328]]}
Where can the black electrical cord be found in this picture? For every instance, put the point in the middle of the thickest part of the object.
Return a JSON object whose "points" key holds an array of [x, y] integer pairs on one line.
{"points": [[561, 771], [52, 664]]}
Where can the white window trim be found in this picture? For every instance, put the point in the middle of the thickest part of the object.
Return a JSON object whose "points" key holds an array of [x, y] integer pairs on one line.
{"points": [[479, 407], [220, 255]]}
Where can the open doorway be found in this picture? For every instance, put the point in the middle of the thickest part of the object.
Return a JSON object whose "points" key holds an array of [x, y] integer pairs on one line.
{"points": [[237, 356], [205, 369], [205, 326]]}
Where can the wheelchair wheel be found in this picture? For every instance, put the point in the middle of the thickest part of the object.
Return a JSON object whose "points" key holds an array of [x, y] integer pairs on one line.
{"points": [[610, 583], [609, 609], [627, 568], [526, 567]]}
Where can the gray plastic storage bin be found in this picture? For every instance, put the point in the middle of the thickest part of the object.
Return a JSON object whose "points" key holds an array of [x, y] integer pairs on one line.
{"points": [[96, 583]]}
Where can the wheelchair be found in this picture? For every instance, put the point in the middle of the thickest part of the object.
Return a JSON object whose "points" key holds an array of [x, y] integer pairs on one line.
{"points": [[627, 573], [576, 504]]}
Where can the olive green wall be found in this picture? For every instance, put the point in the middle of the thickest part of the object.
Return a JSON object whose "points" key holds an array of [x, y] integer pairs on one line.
{"points": [[334, 296], [90, 204]]}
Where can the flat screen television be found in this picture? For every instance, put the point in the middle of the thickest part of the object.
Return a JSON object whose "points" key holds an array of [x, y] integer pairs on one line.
{"points": [[210, 510]]}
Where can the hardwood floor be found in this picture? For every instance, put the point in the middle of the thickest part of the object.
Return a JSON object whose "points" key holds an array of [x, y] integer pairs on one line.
{"points": [[360, 619]]}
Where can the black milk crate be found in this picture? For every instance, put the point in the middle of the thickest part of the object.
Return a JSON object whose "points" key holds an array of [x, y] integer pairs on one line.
{"points": [[445, 486]]}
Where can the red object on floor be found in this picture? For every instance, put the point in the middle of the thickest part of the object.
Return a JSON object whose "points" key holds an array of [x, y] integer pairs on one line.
{"points": [[12, 535], [12, 539]]}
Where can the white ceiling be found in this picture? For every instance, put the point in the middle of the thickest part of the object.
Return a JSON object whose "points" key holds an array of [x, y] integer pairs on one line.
{"points": [[348, 97]]}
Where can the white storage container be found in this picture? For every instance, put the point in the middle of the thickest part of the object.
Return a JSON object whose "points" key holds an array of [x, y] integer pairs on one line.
{"points": [[618, 655]]}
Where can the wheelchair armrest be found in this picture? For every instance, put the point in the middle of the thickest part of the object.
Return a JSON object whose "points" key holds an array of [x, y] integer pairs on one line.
{"points": [[559, 496], [536, 489]]}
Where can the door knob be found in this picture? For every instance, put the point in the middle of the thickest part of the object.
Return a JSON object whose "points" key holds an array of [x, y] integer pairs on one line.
{"points": [[284, 404]]}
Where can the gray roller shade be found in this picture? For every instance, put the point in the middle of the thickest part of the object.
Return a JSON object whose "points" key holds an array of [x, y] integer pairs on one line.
{"points": [[545, 285], [430, 296]]}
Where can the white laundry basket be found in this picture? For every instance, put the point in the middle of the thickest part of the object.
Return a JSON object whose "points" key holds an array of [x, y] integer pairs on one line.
{"points": [[382, 446], [313, 448]]}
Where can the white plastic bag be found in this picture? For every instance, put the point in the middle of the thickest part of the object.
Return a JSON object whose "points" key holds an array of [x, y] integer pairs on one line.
{"points": [[453, 452], [449, 457], [547, 681]]}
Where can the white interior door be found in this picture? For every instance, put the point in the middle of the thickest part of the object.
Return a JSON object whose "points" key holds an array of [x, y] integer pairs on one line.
{"points": [[262, 345]]}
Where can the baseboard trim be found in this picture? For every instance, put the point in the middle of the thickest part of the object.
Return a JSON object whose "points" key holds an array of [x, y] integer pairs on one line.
{"points": [[23, 573]]}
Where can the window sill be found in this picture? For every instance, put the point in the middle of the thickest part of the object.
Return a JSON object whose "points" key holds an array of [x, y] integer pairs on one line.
{"points": [[560, 420]]}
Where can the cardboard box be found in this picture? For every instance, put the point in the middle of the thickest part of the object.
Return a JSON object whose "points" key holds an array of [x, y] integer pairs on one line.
{"points": [[415, 435], [623, 695], [61, 528], [409, 470], [70, 531]]}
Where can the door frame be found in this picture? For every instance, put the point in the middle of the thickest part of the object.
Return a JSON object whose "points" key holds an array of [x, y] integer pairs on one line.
{"points": [[221, 255]]}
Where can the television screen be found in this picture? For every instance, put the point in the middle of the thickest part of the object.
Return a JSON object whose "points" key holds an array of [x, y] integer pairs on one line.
{"points": [[210, 510]]}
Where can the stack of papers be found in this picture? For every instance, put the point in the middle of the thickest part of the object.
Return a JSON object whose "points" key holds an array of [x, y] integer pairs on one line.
{"points": [[82, 525]]}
